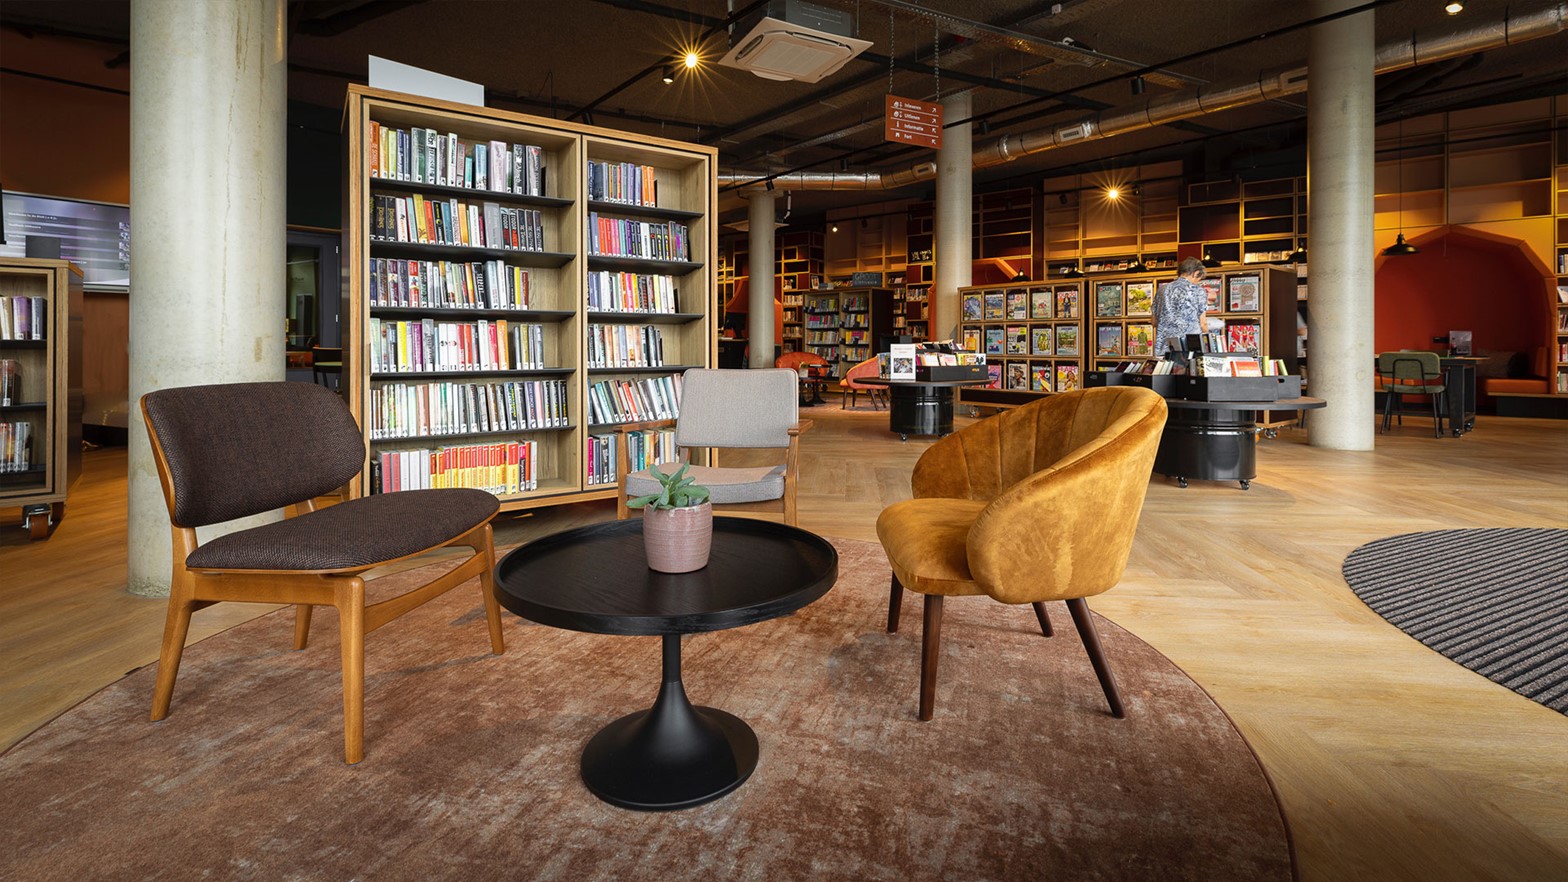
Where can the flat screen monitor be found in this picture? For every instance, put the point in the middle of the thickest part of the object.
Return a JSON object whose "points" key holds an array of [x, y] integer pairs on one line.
{"points": [[95, 236]]}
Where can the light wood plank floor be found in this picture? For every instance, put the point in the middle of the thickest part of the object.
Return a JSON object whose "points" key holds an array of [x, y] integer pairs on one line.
{"points": [[1392, 762]]}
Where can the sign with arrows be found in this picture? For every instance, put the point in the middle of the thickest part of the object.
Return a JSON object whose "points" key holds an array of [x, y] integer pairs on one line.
{"points": [[913, 122]]}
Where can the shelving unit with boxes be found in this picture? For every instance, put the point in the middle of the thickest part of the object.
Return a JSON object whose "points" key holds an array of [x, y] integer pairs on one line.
{"points": [[40, 387], [504, 355]]}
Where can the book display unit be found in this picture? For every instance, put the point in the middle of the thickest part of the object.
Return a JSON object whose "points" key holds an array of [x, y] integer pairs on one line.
{"points": [[1031, 333], [40, 387], [843, 324], [521, 291]]}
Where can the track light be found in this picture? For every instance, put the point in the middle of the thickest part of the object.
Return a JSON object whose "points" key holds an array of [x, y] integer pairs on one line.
{"points": [[1071, 272], [1137, 85], [669, 74], [1021, 277], [1137, 265], [1300, 254], [1210, 261], [769, 185], [1454, 7]]}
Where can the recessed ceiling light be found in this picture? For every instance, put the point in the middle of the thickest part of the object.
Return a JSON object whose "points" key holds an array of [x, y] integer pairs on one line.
{"points": [[1113, 193], [692, 60], [669, 74], [1454, 7]]}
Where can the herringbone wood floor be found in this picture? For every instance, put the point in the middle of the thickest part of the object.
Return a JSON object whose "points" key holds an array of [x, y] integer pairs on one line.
{"points": [[1392, 763]]}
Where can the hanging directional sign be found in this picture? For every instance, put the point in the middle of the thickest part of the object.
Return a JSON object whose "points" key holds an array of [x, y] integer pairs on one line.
{"points": [[913, 122]]}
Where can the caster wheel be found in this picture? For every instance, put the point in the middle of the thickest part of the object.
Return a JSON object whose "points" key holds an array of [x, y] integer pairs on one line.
{"points": [[903, 437], [1182, 483], [1270, 433], [1246, 485]]}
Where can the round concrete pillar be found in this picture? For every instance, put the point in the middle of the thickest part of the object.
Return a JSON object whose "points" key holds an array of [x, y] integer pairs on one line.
{"points": [[954, 221], [759, 315], [1340, 152], [208, 110]]}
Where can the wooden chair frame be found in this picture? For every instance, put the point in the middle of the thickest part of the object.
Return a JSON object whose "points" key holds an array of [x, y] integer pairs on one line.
{"points": [[344, 589], [786, 502]]}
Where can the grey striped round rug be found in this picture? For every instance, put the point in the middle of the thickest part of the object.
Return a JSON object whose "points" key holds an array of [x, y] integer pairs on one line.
{"points": [[1493, 600]]}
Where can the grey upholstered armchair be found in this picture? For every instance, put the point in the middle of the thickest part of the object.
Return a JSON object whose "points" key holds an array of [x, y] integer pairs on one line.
{"points": [[232, 451], [756, 408]]}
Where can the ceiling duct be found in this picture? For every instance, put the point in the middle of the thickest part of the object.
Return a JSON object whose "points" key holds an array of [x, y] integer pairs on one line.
{"points": [[793, 40], [1176, 106]]}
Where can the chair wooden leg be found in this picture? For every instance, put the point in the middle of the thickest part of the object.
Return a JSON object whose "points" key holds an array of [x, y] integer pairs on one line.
{"points": [[487, 593], [930, 648], [1091, 643], [176, 625], [1045, 620], [350, 602], [301, 625], [894, 604]]}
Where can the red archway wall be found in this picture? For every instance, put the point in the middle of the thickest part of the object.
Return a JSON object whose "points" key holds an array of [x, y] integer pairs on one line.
{"points": [[1461, 280]]}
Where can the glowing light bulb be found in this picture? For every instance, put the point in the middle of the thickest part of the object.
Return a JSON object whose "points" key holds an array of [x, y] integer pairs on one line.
{"points": [[1113, 193], [1454, 7], [692, 60]]}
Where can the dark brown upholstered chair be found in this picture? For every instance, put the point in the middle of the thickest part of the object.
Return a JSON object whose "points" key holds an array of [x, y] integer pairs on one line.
{"points": [[232, 451], [1033, 505]]}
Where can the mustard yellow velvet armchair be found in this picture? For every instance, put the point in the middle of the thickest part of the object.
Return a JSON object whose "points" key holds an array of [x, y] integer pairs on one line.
{"points": [[1036, 504]]}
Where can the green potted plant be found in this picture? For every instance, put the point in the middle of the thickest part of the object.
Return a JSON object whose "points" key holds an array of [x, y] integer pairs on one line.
{"points": [[677, 523]]}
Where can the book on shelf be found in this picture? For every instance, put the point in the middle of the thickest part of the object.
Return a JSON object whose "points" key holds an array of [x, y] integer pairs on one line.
{"points": [[619, 346], [1042, 341], [1066, 377], [625, 182], [634, 401], [1108, 299], [610, 236], [1140, 298], [429, 156], [501, 467], [22, 317], [417, 220], [1066, 339], [416, 410], [1017, 375], [1241, 293], [1066, 301], [15, 447], [1017, 304], [970, 339], [1040, 378], [632, 292], [1017, 340], [972, 307], [995, 305], [1041, 303], [1211, 291], [1240, 337], [428, 344], [488, 284]]}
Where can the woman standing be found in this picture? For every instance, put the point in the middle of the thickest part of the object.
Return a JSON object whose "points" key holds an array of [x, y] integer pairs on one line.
{"points": [[1179, 307]]}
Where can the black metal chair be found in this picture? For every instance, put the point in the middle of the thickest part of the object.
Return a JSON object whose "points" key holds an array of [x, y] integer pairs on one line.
{"points": [[1408, 372], [231, 451]]}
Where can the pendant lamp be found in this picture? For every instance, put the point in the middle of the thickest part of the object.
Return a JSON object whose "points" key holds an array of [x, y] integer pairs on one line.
{"points": [[1210, 261], [1401, 248], [1137, 265]]}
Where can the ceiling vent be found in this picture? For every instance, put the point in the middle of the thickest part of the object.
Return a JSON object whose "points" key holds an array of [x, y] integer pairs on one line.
{"points": [[793, 40]]}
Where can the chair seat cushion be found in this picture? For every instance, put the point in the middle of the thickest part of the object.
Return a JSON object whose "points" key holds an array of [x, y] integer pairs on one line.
{"points": [[725, 486], [1516, 385], [351, 535], [926, 541]]}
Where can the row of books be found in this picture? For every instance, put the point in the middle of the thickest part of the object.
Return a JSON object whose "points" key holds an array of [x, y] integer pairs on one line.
{"points": [[624, 182], [417, 220], [644, 450], [1234, 337], [1222, 365], [427, 156], [502, 468], [632, 292], [822, 321], [1023, 340], [822, 338], [400, 346], [16, 446], [488, 284], [614, 346], [822, 305], [23, 317], [1157, 367], [1031, 377], [634, 401], [1038, 303], [650, 240], [414, 410]]}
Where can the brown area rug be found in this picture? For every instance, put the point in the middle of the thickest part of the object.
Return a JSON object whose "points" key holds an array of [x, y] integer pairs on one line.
{"points": [[471, 759]]}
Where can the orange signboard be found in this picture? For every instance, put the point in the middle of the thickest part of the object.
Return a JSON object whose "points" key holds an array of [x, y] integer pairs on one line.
{"points": [[913, 122]]}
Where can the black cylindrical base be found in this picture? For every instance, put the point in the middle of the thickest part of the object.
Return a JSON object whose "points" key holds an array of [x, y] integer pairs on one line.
{"points": [[1209, 450], [921, 410]]}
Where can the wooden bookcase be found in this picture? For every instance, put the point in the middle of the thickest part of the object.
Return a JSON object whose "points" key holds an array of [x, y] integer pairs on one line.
{"points": [[607, 295], [843, 324], [45, 413], [1031, 333]]}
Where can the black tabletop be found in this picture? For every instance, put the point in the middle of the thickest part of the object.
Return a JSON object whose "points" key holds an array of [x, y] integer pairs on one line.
{"points": [[596, 579], [1302, 403], [877, 381]]}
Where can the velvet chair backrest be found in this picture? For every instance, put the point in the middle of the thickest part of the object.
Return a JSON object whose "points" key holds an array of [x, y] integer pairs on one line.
{"points": [[738, 408], [241, 449], [794, 360], [867, 368], [1065, 478]]}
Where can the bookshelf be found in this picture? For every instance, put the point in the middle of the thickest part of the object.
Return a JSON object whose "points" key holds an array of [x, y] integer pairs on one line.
{"points": [[843, 324], [912, 311], [41, 415], [1031, 333], [1560, 254], [536, 313]]}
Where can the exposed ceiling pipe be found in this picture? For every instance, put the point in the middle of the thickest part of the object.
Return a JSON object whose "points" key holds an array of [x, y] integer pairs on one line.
{"points": [[1176, 106]]}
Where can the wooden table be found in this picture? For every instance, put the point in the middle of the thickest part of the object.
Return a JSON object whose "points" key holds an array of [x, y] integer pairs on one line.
{"points": [[920, 407], [1216, 440], [596, 579]]}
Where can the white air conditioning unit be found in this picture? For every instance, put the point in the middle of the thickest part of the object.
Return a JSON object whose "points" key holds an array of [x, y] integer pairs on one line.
{"points": [[793, 40]]}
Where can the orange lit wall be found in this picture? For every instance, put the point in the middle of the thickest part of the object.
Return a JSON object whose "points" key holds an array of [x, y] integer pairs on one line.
{"points": [[1458, 282], [64, 140]]}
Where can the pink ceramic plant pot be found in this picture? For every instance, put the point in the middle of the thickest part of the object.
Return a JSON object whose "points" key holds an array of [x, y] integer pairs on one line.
{"points": [[678, 540]]}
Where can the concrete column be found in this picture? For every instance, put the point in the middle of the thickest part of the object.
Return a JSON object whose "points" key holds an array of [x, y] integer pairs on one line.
{"points": [[954, 221], [208, 110], [1340, 153], [759, 315]]}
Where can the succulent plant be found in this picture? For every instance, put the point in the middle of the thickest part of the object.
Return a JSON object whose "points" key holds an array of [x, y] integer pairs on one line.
{"points": [[676, 490]]}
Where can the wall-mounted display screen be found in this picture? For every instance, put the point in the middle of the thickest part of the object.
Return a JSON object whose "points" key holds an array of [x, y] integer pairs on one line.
{"points": [[95, 236]]}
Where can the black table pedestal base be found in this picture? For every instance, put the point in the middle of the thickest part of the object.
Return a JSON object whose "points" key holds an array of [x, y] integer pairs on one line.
{"points": [[1211, 446], [672, 756], [920, 410]]}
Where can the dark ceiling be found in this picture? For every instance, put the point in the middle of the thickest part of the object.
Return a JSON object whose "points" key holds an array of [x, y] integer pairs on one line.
{"points": [[1029, 65]]}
